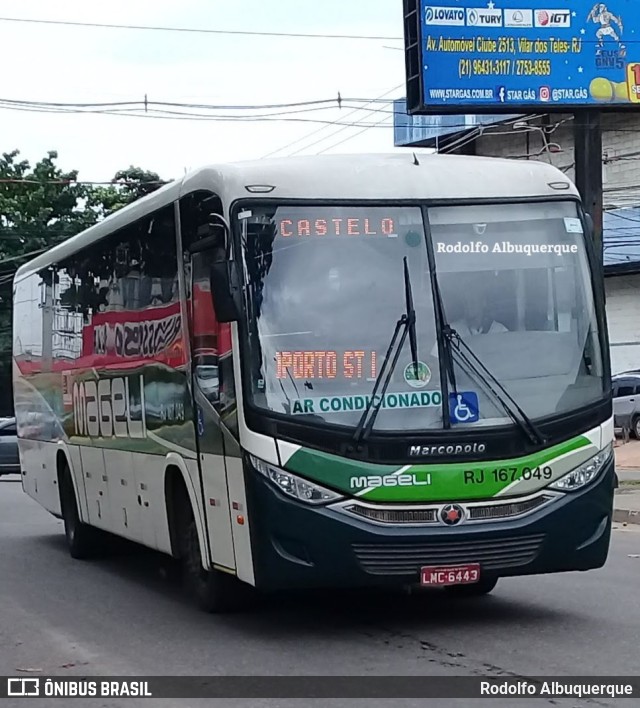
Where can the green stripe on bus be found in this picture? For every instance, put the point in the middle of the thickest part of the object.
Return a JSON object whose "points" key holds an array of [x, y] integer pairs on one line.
{"points": [[439, 482]]}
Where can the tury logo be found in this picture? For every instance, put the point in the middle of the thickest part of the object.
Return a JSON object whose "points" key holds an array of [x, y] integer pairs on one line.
{"points": [[483, 17], [451, 514], [553, 18]]}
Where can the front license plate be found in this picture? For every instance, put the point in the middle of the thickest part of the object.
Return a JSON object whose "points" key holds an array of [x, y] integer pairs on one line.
{"points": [[450, 575]]}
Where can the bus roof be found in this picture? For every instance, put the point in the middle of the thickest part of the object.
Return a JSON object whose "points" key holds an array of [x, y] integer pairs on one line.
{"points": [[392, 176]]}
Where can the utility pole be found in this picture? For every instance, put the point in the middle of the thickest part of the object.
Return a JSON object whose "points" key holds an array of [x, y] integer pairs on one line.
{"points": [[588, 170]]}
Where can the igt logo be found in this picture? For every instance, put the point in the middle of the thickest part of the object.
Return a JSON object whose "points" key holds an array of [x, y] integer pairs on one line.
{"points": [[545, 93], [553, 18]]}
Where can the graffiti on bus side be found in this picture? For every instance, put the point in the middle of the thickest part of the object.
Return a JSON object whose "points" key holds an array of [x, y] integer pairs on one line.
{"points": [[137, 339], [109, 407]]}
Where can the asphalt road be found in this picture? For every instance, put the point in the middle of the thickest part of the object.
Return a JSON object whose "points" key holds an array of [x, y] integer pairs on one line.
{"points": [[122, 616]]}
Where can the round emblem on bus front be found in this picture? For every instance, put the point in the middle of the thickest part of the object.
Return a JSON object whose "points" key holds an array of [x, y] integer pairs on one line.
{"points": [[417, 374], [451, 514]]}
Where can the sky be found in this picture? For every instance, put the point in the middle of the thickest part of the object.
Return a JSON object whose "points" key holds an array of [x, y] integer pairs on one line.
{"points": [[55, 63]]}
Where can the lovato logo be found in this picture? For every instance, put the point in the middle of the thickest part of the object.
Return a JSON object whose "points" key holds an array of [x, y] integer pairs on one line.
{"points": [[483, 17], [444, 16], [553, 18]]}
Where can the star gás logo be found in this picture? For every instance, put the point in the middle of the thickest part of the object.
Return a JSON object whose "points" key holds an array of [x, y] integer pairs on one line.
{"points": [[451, 514], [543, 17]]}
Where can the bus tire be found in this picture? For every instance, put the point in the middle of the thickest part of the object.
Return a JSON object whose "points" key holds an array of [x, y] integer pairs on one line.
{"points": [[214, 592], [82, 539], [484, 587]]}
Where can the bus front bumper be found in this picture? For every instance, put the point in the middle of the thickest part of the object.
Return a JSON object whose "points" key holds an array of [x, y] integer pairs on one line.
{"points": [[296, 546]]}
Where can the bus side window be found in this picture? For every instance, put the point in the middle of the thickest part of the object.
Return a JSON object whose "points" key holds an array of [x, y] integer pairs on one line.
{"points": [[211, 344]]}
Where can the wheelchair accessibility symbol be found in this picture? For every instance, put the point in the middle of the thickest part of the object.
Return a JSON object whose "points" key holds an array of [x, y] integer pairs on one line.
{"points": [[464, 407]]}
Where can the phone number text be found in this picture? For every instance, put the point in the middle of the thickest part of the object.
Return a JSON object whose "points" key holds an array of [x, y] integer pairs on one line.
{"points": [[504, 67]]}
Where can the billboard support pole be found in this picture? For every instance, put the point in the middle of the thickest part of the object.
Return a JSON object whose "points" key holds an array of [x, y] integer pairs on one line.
{"points": [[588, 166]]}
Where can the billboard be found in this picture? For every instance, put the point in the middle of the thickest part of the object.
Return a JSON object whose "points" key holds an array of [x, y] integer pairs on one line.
{"points": [[408, 130], [515, 56]]}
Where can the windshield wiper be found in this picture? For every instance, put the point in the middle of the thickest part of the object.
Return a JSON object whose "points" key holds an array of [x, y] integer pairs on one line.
{"points": [[483, 374], [406, 323], [441, 320], [513, 410]]}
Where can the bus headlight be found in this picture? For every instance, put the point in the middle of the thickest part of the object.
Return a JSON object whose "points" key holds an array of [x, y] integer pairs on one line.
{"points": [[585, 473], [294, 486]]}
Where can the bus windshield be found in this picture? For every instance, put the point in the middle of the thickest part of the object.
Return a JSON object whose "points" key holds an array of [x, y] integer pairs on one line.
{"points": [[325, 289]]}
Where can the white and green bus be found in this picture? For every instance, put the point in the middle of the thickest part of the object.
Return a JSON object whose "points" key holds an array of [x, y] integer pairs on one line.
{"points": [[363, 370]]}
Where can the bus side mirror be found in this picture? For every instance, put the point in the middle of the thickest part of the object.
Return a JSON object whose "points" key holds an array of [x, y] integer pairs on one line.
{"points": [[225, 291], [223, 277]]}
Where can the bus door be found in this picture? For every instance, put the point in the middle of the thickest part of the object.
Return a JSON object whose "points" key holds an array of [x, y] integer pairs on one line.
{"points": [[213, 391]]}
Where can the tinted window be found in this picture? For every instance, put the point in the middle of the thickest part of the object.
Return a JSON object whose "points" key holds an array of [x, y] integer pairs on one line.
{"points": [[114, 302], [517, 288], [624, 391], [325, 291], [211, 344]]}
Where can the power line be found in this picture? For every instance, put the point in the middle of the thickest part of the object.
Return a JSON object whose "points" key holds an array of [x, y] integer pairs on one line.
{"points": [[164, 115], [345, 126], [320, 129], [195, 30], [147, 111], [336, 123], [70, 182], [145, 103], [355, 135], [25, 255]]}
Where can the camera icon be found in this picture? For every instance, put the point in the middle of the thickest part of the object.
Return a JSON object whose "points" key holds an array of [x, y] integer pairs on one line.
{"points": [[23, 687]]}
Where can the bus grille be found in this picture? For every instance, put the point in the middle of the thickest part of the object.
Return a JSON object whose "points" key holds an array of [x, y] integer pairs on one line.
{"points": [[429, 515], [507, 510], [407, 559], [395, 516]]}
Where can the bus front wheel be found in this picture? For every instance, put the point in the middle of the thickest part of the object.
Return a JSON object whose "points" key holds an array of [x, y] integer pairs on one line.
{"points": [[484, 587], [213, 591]]}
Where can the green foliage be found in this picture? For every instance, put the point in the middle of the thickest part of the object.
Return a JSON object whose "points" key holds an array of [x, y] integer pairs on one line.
{"points": [[42, 206], [127, 186]]}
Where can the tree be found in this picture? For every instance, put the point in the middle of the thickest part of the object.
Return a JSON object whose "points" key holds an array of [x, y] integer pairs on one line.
{"points": [[127, 186], [41, 207]]}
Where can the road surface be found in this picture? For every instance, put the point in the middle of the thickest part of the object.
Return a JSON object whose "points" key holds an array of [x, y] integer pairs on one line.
{"points": [[122, 616]]}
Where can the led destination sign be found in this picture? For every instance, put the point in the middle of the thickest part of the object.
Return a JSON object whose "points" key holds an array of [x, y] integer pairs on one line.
{"points": [[345, 226], [309, 365]]}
